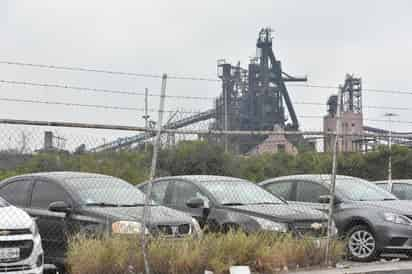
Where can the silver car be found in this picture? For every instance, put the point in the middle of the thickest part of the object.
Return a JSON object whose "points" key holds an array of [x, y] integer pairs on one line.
{"points": [[373, 220]]}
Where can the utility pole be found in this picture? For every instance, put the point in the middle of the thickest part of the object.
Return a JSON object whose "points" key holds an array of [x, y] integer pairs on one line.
{"points": [[333, 177], [146, 208], [225, 98], [146, 116], [390, 115]]}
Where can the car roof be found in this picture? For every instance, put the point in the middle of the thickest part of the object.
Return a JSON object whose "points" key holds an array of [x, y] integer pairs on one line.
{"points": [[60, 176], [321, 178], [203, 178], [401, 181]]}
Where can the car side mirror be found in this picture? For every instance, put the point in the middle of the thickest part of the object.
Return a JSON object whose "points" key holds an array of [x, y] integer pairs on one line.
{"points": [[195, 203], [325, 199], [61, 207]]}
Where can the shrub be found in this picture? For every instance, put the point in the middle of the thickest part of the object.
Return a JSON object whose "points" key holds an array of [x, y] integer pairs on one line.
{"points": [[265, 253]]}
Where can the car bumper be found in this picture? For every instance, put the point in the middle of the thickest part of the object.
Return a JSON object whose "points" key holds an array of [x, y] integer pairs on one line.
{"points": [[32, 265], [394, 237]]}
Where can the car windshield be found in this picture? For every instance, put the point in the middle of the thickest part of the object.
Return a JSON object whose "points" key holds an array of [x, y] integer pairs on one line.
{"points": [[3, 203], [356, 189], [240, 193], [106, 191]]}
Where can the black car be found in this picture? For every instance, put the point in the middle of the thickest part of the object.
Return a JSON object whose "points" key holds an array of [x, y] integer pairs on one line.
{"points": [[225, 203], [402, 189], [373, 220], [65, 203]]}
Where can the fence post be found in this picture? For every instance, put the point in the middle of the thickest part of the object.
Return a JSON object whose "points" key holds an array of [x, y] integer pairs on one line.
{"points": [[146, 208], [333, 177]]}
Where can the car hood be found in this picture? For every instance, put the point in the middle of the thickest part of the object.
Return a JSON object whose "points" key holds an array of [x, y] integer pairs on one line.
{"points": [[280, 212], [158, 214], [14, 218], [395, 206]]}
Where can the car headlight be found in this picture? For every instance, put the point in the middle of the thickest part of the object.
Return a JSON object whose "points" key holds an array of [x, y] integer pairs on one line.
{"points": [[127, 227], [34, 229], [397, 219], [272, 226]]}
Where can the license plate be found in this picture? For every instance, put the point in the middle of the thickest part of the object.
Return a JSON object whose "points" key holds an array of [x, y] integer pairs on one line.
{"points": [[9, 253]]}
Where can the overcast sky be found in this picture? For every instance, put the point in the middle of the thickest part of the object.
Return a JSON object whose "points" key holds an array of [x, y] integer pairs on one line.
{"points": [[322, 39]]}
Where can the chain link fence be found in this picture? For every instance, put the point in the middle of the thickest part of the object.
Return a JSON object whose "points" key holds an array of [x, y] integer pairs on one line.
{"points": [[85, 187]]}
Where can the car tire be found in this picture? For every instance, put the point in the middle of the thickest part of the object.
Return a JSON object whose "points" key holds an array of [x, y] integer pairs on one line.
{"points": [[361, 244]]}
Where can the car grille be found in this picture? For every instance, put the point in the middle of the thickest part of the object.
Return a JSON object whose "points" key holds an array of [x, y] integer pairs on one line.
{"points": [[174, 230], [11, 232], [26, 248], [14, 268], [311, 229]]}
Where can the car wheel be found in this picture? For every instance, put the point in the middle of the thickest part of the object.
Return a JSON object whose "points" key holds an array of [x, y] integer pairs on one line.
{"points": [[361, 244]]}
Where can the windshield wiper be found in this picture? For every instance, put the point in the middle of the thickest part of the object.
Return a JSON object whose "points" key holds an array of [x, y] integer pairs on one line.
{"points": [[233, 204], [102, 204], [133, 205], [267, 203]]}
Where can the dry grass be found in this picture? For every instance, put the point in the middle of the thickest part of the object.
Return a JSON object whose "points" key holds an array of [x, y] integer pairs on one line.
{"points": [[264, 253]]}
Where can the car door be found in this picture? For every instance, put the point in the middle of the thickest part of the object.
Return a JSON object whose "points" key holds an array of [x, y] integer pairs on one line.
{"points": [[53, 226], [181, 192], [308, 194]]}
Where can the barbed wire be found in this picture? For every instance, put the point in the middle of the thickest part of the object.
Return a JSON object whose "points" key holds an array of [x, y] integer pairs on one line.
{"points": [[192, 131]]}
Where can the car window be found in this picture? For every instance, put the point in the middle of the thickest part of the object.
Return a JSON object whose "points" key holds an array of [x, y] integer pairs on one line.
{"points": [[310, 192], [184, 191], [16, 193], [158, 191], [384, 186], [45, 193], [402, 191], [281, 189]]}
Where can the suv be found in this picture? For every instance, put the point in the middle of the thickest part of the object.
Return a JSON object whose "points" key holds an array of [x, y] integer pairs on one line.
{"points": [[67, 203], [373, 220], [20, 245]]}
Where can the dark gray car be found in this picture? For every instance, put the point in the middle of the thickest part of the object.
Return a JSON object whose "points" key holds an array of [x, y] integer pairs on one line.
{"points": [[224, 203], [402, 189], [372, 219], [66, 203]]}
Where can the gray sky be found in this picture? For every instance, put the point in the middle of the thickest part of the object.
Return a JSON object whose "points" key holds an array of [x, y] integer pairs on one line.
{"points": [[322, 39]]}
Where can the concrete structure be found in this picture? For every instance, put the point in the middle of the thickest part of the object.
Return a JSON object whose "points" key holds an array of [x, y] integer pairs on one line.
{"points": [[275, 144], [351, 117], [350, 124]]}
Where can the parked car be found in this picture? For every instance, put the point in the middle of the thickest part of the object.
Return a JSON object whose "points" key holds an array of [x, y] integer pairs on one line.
{"points": [[402, 189], [372, 219], [225, 203], [65, 203], [20, 244]]}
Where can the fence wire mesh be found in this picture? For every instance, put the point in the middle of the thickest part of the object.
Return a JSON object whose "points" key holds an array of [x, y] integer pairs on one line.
{"points": [[88, 185]]}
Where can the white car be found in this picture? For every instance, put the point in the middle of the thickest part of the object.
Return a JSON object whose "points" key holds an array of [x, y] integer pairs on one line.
{"points": [[21, 251]]}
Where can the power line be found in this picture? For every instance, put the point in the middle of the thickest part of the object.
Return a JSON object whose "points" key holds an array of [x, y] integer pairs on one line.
{"points": [[70, 104], [133, 93], [111, 72], [363, 89], [98, 90]]}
